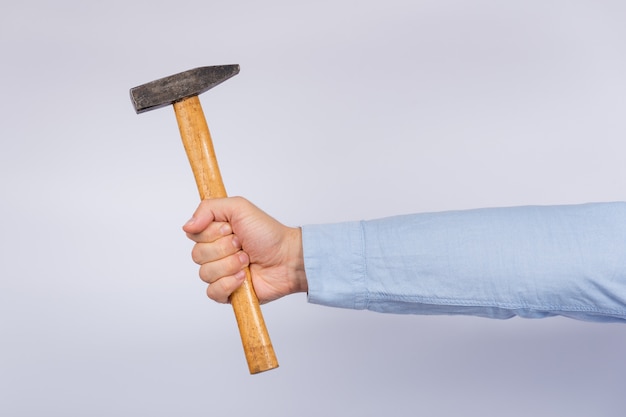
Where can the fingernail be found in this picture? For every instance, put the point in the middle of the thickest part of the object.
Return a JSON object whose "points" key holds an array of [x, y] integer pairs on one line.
{"points": [[190, 221], [243, 258], [236, 242], [241, 275]]}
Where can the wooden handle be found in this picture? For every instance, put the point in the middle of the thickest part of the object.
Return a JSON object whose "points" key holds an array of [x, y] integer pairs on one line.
{"points": [[199, 147]]}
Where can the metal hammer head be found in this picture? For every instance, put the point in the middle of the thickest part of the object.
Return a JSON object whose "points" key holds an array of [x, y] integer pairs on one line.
{"points": [[168, 90]]}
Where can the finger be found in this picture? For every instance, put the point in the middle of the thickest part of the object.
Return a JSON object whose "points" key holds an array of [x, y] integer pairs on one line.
{"points": [[203, 253], [210, 272], [200, 219], [211, 233], [209, 210], [218, 209], [221, 290]]}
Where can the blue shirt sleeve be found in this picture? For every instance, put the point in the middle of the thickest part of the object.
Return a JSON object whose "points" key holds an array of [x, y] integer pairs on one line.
{"points": [[533, 261]]}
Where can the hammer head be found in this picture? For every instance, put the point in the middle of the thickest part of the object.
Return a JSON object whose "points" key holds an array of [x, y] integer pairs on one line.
{"points": [[168, 90]]}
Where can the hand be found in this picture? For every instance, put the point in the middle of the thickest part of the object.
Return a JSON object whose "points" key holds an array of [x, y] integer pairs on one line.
{"points": [[232, 233]]}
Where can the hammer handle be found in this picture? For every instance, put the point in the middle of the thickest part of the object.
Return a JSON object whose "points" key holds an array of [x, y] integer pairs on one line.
{"points": [[199, 147]]}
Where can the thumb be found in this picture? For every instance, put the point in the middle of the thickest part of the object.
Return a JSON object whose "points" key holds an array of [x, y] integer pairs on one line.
{"points": [[200, 219], [210, 210]]}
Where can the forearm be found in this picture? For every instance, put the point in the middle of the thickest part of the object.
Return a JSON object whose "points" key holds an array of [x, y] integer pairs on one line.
{"points": [[526, 261]]}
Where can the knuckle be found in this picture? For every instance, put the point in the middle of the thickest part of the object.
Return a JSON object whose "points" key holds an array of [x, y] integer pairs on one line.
{"points": [[240, 201], [206, 274], [212, 272], [214, 295], [202, 275], [220, 291], [196, 254]]}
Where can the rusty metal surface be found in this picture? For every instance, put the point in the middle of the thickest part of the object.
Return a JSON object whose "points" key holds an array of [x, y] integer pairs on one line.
{"points": [[168, 90]]}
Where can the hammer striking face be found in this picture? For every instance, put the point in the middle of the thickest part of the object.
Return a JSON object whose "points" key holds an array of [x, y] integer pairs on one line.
{"points": [[169, 90]]}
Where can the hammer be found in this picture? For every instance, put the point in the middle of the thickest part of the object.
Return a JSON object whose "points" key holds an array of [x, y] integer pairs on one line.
{"points": [[182, 90]]}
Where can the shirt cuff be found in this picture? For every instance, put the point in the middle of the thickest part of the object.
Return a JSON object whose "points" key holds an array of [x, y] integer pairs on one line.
{"points": [[335, 281]]}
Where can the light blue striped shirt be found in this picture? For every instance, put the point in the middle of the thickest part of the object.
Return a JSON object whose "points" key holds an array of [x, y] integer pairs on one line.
{"points": [[534, 261]]}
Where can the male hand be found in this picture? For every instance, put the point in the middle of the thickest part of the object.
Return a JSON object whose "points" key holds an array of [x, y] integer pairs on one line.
{"points": [[232, 233]]}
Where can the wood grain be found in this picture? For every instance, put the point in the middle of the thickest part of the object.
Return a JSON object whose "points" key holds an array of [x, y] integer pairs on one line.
{"points": [[199, 147]]}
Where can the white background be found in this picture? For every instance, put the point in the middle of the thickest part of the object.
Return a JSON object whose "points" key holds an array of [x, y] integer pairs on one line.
{"points": [[343, 110]]}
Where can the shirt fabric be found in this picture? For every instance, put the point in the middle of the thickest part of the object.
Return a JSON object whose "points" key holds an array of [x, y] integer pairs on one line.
{"points": [[533, 261]]}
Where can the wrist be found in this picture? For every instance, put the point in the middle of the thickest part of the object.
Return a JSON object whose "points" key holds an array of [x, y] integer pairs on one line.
{"points": [[296, 261]]}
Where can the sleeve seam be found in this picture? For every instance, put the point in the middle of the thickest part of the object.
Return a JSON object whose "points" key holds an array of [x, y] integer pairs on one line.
{"points": [[364, 299]]}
